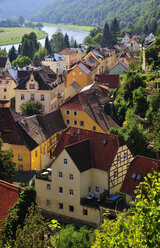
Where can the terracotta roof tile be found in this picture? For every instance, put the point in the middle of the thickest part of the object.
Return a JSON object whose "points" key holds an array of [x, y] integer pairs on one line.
{"points": [[111, 81], [67, 51], [103, 154], [9, 195], [140, 165]]}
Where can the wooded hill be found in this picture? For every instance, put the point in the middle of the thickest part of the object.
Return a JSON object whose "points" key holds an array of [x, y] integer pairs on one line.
{"points": [[15, 8], [86, 12]]}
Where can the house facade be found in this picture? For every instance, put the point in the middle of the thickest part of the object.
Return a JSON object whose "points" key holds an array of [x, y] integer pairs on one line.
{"points": [[75, 187], [56, 62], [119, 68]]}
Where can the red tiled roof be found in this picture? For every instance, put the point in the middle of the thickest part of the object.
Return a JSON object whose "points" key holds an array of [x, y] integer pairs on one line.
{"points": [[102, 154], [66, 51], [3, 61], [111, 81], [8, 197], [140, 165]]}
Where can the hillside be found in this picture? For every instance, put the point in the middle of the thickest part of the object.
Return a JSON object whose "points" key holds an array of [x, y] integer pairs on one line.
{"points": [[87, 12], [14, 8]]}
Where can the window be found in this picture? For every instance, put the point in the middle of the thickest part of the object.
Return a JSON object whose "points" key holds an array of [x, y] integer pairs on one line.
{"points": [[32, 86], [89, 189], [43, 108], [118, 158], [80, 73], [60, 190], [65, 161], [60, 205], [20, 158], [74, 122], [22, 96], [42, 97], [20, 167], [134, 175], [48, 203], [67, 112], [4, 97], [36, 153], [125, 155], [60, 174], [75, 113], [96, 189], [5, 90], [73, 73], [67, 121], [32, 96], [115, 174], [82, 123], [71, 192], [48, 187], [71, 177], [71, 208], [94, 128], [85, 212]]}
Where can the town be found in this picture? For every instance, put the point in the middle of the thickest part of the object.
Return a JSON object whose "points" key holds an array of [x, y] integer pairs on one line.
{"points": [[80, 125]]}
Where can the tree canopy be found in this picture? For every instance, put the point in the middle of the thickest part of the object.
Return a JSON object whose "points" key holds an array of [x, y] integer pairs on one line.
{"points": [[31, 108]]}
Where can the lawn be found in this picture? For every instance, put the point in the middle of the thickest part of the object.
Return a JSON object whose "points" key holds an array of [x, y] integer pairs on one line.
{"points": [[14, 35], [85, 28]]}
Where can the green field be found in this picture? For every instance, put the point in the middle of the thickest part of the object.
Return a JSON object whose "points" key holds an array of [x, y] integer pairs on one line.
{"points": [[14, 35], [85, 28]]}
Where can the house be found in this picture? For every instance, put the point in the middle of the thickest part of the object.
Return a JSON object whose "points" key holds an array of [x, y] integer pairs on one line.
{"points": [[119, 68], [88, 167], [42, 86], [5, 64], [32, 139], [71, 55], [9, 196], [135, 45], [138, 169], [7, 85], [24, 178], [83, 72], [110, 80], [56, 62], [126, 38], [90, 109]]}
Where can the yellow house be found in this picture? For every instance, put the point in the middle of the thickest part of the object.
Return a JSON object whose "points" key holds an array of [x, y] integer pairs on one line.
{"points": [[88, 168], [7, 93], [83, 72], [86, 110], [32, 139]]}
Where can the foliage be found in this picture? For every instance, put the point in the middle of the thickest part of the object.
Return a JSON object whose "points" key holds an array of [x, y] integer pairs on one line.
{"points": [[3, 53], [138, 227], [69, 237], [17, 215], [29, 45], [66, 41], [139, 13], [41, 53], [48, 46], [57, 42], [21, 62], [7, 167], [31, 108], [33, 231], [152, 54], [12, 54]]}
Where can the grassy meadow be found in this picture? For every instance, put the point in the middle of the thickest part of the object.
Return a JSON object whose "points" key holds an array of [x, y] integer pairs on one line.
{"points": [[85, 28], [14, 35]]}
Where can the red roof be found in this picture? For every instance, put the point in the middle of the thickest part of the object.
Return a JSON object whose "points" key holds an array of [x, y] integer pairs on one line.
{"points": [[142, 166], [67, 51], [102, 154], [9, 196], [111, 81]]}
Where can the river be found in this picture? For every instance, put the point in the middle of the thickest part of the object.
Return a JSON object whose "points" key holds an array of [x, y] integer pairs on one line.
{"points": [[78, 35]]}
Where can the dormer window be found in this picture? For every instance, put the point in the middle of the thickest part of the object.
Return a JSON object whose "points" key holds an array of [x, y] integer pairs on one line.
{"points": [[32, 86]]}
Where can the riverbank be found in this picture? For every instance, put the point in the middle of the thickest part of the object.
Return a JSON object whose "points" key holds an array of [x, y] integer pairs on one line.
{"points": [[62, 25], [14, 35]]}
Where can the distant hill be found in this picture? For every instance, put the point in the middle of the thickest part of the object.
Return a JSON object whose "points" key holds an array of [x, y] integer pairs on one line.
{"points": [[87, 12], [26, 8]]}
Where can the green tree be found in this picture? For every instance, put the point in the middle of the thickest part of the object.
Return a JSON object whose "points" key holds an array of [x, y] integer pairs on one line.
{"points": [[137, 227], [12, 54], [31, 108], [107, 36], [29, 45], [115, 29], [21, 62], [75, 44], [140, 104], [3, 53], [17, 216], [57, 42], [88, 40], [66, 41], [48, 46], [21, 20], [41, 53], [69, 237], [33, 231], [7, 167]]}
